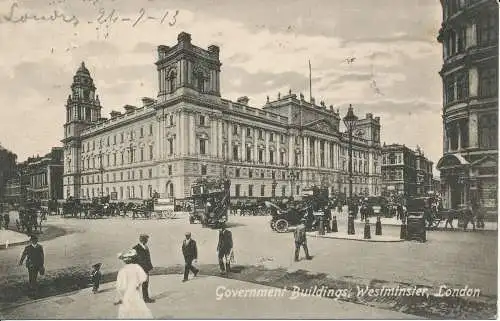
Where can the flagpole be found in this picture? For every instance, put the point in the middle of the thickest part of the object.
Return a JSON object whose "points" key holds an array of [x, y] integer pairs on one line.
{"points": [[310, 82]]}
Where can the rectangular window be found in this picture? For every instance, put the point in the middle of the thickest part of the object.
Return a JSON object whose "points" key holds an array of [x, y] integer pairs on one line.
{"points": [[235, 152], [487, 30], [150, 173], [283, 190], [262, 190], [237, 190], [171, 120], [202, 147], [488, 82], [203, 169], [121, 138], [142, 132], [140, 174], [271, 137], [249, 132], [262, 174], [237, 174], [273, 175], [260, 134], [150, 129], [235, 129], [462, 86], [271, 157], [142, 154], [449, 89], [261, 155], [151, 156], [169, 169], [282, 139], [250, 173], [250, 190], [283, 175], [202, 120], [170, 146], [282, 158]]}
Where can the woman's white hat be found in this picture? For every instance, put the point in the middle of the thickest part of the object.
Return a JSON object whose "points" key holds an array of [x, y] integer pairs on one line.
{"points": [[129, 254]]}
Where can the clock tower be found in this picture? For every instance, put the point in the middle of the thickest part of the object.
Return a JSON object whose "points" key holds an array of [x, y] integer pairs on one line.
{"points": [[82, 108]]}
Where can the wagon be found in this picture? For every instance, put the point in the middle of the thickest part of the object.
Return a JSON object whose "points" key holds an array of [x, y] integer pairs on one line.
{"points": [[164, 208]]}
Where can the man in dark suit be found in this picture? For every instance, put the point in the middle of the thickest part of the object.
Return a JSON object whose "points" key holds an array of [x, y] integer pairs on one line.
{"points": [[34, 256], [190, 253], [224, 249], [144, 260]]}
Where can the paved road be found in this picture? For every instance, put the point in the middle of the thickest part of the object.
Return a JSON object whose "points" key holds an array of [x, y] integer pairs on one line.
{"points": [[451, 258]]}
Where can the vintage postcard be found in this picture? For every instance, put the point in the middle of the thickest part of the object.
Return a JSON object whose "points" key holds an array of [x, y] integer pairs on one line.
{"points": [[217, 159]]}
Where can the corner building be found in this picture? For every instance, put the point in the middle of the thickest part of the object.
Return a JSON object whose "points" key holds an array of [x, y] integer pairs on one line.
{"points": [[469, 166], [189, 131]]}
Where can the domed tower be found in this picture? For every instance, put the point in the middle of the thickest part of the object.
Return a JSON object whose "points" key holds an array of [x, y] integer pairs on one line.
{"points": [[82, 108]]}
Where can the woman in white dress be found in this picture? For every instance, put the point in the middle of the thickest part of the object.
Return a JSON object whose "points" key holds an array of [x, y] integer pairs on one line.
{"points": [[128, 288]]}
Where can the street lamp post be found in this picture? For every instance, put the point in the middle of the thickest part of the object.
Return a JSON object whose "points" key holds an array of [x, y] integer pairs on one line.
{"points": [[350, 121], [293, 176], [274, 187]]}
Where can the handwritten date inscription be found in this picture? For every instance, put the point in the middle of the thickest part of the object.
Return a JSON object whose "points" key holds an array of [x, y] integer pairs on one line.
{"points": [[103, 17]]}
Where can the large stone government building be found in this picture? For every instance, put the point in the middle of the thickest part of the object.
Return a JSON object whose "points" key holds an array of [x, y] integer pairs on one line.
{"points": [[469, 166], [189, 131]]}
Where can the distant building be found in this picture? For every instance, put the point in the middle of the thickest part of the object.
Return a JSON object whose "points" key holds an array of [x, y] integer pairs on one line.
{"points": [[16, 188], [404, 171], [469, 166], [189, 132], [436, 185], [45, 175], [7, 169]]}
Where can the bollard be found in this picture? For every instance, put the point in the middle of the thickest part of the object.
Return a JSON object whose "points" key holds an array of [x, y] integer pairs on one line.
{"points": [[402, 234], [350, 225], [378, 226], [334, 225], [321, 226], [367, 229]]}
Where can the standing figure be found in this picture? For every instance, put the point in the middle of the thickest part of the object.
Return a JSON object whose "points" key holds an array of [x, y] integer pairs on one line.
{"points": [[363, 211], [468, 216], [95, 277], [144, 260], [34, 256], [128, 284], [224, 249], [301, 240], [190, 253]]}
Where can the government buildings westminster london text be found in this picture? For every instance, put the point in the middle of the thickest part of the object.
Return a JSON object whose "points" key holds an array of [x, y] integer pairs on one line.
{"points": [[189, 131]]}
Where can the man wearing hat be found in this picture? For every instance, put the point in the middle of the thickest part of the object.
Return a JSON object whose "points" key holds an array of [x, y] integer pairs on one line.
{"points": [[301, 240], [144, 260], [34, 256], [190, 253], [224, 249]]}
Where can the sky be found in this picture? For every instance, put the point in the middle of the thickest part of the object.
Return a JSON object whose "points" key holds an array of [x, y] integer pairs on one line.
{"points": [[265, 47]]}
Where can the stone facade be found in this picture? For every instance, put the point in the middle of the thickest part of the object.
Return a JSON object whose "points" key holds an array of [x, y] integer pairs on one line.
{"points": [[405, 171], [7, 169], [469, 166], [189, 131], [44, 174]]}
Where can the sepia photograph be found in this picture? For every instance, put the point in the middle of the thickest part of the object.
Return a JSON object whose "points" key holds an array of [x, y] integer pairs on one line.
{"points": [[231, 159]]}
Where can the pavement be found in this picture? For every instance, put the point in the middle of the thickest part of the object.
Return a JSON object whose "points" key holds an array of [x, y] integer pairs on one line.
{"points": [[342, 235], [11, 238], [202, 297]]}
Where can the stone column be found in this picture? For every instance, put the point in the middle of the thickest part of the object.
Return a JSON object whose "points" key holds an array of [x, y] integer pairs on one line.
{"points": [[229, 141], [266, 158], [306, 151], [473, 130], [317, 153], [243, 147], [459, 135], [327, 155], [220, 139], [192, 132], [184, 133], [473, 81], [255, 156], [291, 150]]}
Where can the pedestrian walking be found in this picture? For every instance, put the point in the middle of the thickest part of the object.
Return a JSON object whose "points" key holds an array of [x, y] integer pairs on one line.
{"points": [[190, 253], [129, 281], [468, 216], [224, 249], [144, 260], [363, 211], [301, 240], [34, 256], [95, 277]]}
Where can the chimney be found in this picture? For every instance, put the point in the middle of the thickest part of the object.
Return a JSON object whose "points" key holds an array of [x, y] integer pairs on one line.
{"points": [[114, 114], [147, 101], [184, 40], [129, 108], [243, 100], [162, 51], [214, 51]]}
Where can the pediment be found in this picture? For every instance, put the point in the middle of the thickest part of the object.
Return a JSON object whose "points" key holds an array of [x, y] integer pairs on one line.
{"points": [[321, 125]]}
